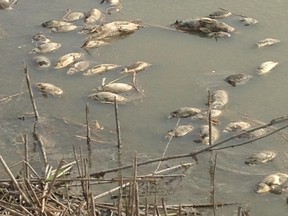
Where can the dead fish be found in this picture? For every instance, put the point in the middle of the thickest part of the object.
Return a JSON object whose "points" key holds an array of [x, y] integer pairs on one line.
{"points": [[136, 67], [220, 14], [46, 47], [114, 29], [267, 184], [260, 157], [219, 99], [115, 87], [71, 16], [108, 97], [237, 126], [49, 88], [42, 62], [93, 15], [111, 2], [64, 28], [54, 23], [203, 114], [266, 67], [93, 44], [6, 4], [78, 67], [184, 112], [68, 59], [100, 69], [267, 42], [255, 134], [179, 131], [248, 21], [204, 134], [40, 37], [237, 79], [219, 34]]}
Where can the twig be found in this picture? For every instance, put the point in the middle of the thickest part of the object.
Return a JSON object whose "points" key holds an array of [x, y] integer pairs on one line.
{"points": [[117, 124], [14, 180], [164, 207], [41, 144], [93, 213], [209, 118], [26, 160], [212, 172], [166, 148], [31, 92], [7, 98], [88, 136]]}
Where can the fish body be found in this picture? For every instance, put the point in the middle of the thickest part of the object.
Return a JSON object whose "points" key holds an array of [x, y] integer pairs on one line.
{"points": [[68, 59], [108, 97], [260, 157], [179, 131], [237, 126], [204, 134], [78, 67], [266, 67], [219, 99], [100, 69], [42, 62], [46, 47], [267, 42], [184, 112], [116, 87], [49, 88]]}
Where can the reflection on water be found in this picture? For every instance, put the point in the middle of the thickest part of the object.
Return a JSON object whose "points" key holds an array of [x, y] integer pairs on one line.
{"points": [[184, 67]]}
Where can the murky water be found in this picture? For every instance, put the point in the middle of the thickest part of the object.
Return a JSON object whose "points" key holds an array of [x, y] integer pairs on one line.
{"points": [[183, 68]]}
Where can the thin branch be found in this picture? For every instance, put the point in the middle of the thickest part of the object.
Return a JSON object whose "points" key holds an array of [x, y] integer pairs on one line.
{"points": [[117, 124]]}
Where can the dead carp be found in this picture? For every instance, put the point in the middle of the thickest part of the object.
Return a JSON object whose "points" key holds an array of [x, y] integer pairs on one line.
{"points": [[237, 79], [237, 126], [204, 134], [184, 112], [219, 99], [179, 131], [42, 62], [260, 157], [78, 67], [68, 59], [100, 69], [46, 47], [49, 88], [136, 67], [108, 97], [266, 67], [115, 87]]}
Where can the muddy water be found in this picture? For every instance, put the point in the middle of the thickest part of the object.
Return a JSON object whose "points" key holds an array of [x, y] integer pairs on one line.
{"points": [[183, 68]]}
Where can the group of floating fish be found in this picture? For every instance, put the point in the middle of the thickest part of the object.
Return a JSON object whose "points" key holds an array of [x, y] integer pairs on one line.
{"points": [[99, 34], [211, 27]]}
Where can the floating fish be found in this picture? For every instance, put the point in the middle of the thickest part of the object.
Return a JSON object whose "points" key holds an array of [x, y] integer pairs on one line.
{"points": [[93, 15], [100, 69], [267, 184], [267, 42], [49, 88], [115, 87], [136, 67], [108, 97], [266, 67], [203, 114], [260, 157], [64, 28], [78, 67], [179, 131], [71, 16], [68, 59], [219, 99], [40, 37], [90, 43], [237, 126], [248, 21], [42, 62], [46, 47]]}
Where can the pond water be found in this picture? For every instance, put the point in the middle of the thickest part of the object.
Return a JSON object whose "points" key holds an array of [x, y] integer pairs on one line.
{"points": [[184, 67]]}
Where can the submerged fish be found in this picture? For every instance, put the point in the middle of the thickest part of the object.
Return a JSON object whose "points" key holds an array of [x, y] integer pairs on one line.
{"points": [[260, 157], [100, 69], [237, 79], [93, 15], [49, 88], [267, 184], [220, 14], [108, 97], [184, 112], [64, 28], [54, 23], [267, 42], [179, 131], [248, 21], [267, 67], [204, 134], [40, 37]]}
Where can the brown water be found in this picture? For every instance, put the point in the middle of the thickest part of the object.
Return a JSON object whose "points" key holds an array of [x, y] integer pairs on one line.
{"points": [[183, 68]]}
